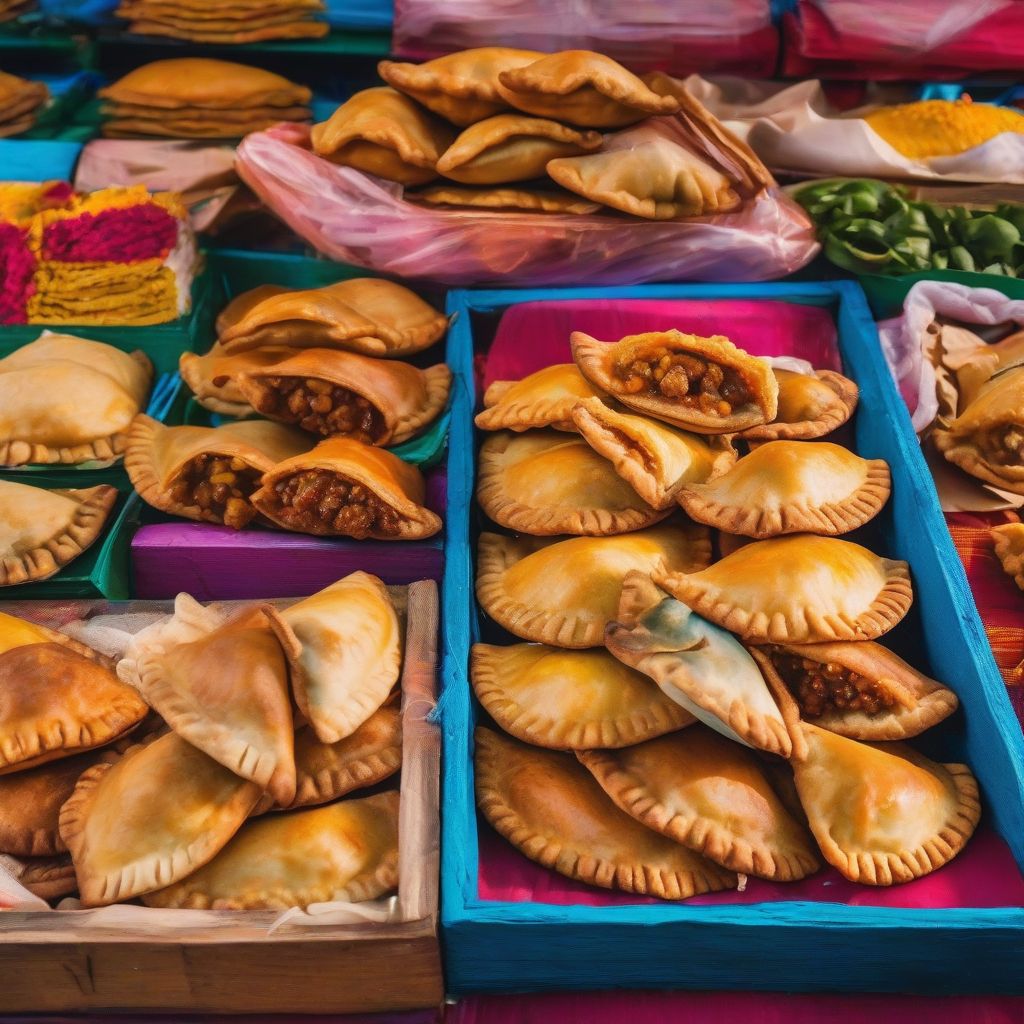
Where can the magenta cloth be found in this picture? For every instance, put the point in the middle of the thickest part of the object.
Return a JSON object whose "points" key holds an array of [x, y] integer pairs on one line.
{"points": [[17, 267], [121, 235]]}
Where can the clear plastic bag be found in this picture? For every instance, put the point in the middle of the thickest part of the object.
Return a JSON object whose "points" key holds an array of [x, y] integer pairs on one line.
{"points": [[359, 219]]}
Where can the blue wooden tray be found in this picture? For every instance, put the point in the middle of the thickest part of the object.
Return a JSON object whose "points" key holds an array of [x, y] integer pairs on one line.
{"points": [[791, 946]]}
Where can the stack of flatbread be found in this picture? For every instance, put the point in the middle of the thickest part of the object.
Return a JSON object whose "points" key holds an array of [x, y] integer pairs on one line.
{"points": [[20, 101], [195, 98], [225, 21]]}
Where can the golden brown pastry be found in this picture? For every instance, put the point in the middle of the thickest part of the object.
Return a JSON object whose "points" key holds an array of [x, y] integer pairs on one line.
{"points": [[15, 632], [544, 483], [1009, 547], [976, 368], [343, 488], [810, 405], [569, 700], [241, 305], [550, 808], [211, 377], [49, 878], [522, 200], [542, 399], [706, 385]]}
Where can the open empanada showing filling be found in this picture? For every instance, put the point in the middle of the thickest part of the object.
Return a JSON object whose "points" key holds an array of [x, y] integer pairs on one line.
{"points": [[343, 394], [207, 473], [706, 385], [210, 377], [542, 399], [1009, 547], [792, 487], [810, 405], [545, 483], [343, 488]]}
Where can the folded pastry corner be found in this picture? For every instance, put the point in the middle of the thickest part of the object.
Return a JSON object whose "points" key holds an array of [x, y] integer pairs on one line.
{"points": [[1009, 548], [210, 377], [810, 405], [522, 200], [545, 398]]}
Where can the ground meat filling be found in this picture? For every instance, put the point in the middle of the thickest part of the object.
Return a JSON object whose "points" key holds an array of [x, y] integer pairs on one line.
{"points": [[684, 378], [821, 688], [315, 501], [219, 485], [321, 408], [1004, 446]]}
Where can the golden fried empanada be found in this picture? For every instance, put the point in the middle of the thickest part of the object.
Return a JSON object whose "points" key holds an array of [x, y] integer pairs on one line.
{"points": [[382, 132], [343, 488], [344, 653], [563, 592], [882, 814], [706, 385], [700, 666], [347, 851], [542, 399], [976, 368], [341, 393], [656, 460], [570, 699], [545, 483], [582, 87], [207, 473], [549, 807], [810, 405], [211, 377], [462, 87], [523, 200], [1009, 547], [699, 789], [802, 589], [42, 530], [15, 632], [156, 815], [241, 305]]}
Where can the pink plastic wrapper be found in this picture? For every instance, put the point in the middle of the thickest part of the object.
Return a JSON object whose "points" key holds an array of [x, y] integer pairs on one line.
{"points": [[363, 220]]}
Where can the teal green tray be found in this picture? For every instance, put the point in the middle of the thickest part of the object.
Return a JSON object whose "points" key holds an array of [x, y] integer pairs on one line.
{"points": [[886, 294]]}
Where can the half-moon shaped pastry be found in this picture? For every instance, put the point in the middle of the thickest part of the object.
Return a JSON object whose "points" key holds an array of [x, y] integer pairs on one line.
{"points": [[1009, 547], [462, 87], [511, 147], [207, 473], [548, 200], [703, 668], [66, 399], [562, 593], [210, 377], [55, 702], [344, 394], [656, 460], [382, 132], [882, 814], [343, 488], [987, 438], [344, 653], [569, 700], [242, 304], [156, 815], [706, 385], [223, 686], [545, 483], [582, 87], [548, 806], [349, 853], [543, 399], [699, 789], [801, 589], [810, 405], [861, 690], [976, 368], [792, 487], [42, 530]]}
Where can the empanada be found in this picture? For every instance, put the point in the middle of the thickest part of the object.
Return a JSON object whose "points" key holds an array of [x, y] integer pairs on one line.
{"points": [[706, 385], [976, 368], [241, 305], [346, 852], [1009, 547], [542, 399], [570, 699], [344, 653], [792, 487], [699, 789], [549, 807], [341, 393], [582, 87], [987, 438], [550, 200], [511, 147], [860, 690], [343, 488], [43, 530], [810, 405], [462, 87], [802, 589], [223, 686], [156, 815], [563, 592], [545, 483], [49, 878], [15, 632], [882, 814], [207, 473], [380, 131], [211, 377], [701, 667], [303, 29], [67, 399], [656, 460]]}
